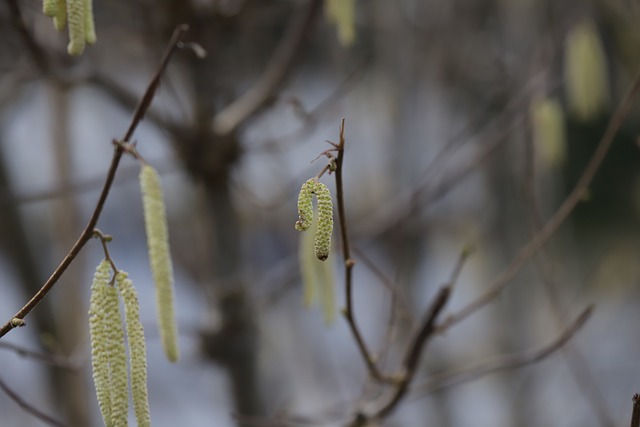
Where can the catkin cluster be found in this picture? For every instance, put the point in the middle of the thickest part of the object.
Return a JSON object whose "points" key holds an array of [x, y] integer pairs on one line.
{"points": [[155, 220], [325, 215], [108, 354], [79, 15]]}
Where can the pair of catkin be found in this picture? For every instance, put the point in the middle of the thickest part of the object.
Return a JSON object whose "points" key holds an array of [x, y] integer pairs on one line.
{"points": [[155, 220], [108, 354], [325, 215], [79, 15]]}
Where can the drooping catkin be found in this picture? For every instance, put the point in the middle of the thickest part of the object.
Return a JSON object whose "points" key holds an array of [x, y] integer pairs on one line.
{"points": [[155, 220], [325, 221], [585, 71], [60, 18], [49, 7], [305, 205], [137, 349], [89, 25], [117, 356], [98, 332], [76, 19], [342, 14], [548, 129]]}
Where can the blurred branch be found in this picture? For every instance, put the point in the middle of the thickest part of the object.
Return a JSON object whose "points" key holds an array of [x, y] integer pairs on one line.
{"points": [[552, 225], [28, 407], [576, 362], [87, 233], [227, 120], [56, 360], [513, 361]]}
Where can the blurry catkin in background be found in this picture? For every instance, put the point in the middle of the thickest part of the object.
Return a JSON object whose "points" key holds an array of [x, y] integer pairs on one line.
{"points": [[548, 131], [342, 14], [586, 77]]}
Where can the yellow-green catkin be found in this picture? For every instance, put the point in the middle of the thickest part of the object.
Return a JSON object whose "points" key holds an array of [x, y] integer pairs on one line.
{"points": [[325, 221], [585, 71], [98, 331], [119, 390], [342, 14], [155, 220], [89, 25], [137, 349], [548, 130], [305, 205], [76, 19], [49, 7], [60, 18]]}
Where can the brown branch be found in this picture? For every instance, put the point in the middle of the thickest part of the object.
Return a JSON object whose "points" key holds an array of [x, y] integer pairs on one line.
{"points": [[28, 407], [56, 360], [87, 233], [227, 120], [349, 263], [635, 415], [559, 216], [507, 362], [575, 360]]}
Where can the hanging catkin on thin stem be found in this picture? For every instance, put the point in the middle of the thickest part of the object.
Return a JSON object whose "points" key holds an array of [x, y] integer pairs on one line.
{"points": [[98, 337], [137, 349], [117, 356], [155, 220], [324, 227]]}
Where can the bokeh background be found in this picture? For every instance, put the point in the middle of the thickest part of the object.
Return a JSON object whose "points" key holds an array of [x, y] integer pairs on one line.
{"points": [[467, 124]]}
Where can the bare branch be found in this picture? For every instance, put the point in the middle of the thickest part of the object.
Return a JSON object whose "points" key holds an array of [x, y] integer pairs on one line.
{"points": [[28, 407], [87, 233], [559, 216], [227, 120]]}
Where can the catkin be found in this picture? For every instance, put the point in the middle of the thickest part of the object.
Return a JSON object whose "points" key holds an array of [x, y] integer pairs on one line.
{"points": [[117, 356], [548, 129], [89, 25], [585, 71], [325, 221], [137, 349], [60, 18], [305, 205], [49, 7], [158, 244], [76, 20], [342, 14], [99, 337]]}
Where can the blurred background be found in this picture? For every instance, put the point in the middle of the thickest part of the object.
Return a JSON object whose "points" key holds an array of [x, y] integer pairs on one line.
{"points": [[467, 124]]}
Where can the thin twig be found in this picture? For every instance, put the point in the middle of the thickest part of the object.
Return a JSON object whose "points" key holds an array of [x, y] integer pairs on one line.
{"points": [[227, 120], [635, 415], [559, 216], [513, 361], [87, 233], [28, 407], [48, 359], [576, 362], [349, 264]]}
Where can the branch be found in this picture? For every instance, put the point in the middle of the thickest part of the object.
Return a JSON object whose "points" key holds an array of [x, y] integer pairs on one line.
{"points": [[87, 233], [635, 415], [227, 120], [507, 362], [349, 264], [28, 407], [56, 360], [559, 216]]}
